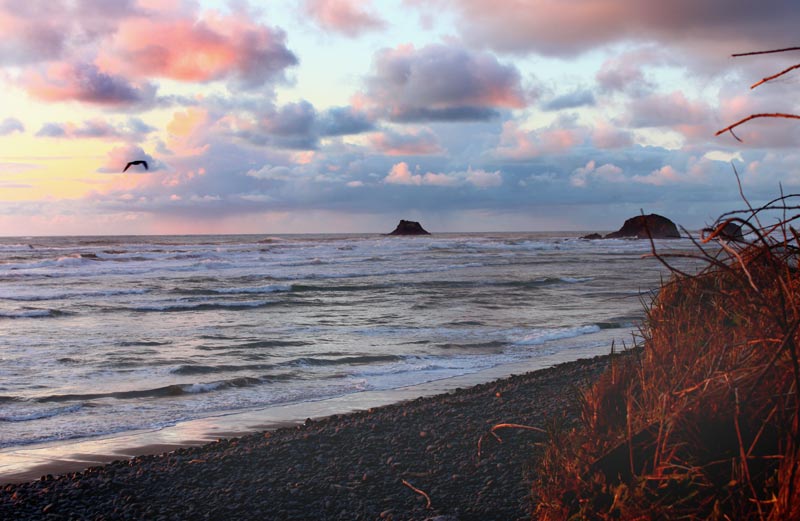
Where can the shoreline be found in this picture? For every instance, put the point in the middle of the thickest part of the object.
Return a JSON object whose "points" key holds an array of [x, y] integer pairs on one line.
{"points": [[22, 463], [345, 466]]}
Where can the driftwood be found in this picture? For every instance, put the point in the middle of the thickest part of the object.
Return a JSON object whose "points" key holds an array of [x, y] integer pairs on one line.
{"points": [[420, 492], [505, 426]]}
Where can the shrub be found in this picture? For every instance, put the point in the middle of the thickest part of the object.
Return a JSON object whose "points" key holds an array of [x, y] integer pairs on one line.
{"points": [[701, 421]]}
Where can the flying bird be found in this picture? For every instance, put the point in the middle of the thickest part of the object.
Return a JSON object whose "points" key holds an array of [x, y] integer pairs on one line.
{"points": [[132, 163]]}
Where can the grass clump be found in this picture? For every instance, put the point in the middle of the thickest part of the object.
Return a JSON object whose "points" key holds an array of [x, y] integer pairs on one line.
{"points": [[702, 421]]}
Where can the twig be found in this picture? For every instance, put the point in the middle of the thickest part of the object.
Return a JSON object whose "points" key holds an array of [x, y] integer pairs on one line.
{"points": [[754, 53], [742, 453], [778, 75], [738, 257], [421, 493], [754, 116]]}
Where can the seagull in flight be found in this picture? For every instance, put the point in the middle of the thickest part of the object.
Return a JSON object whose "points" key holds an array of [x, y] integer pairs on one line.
{"points": [[132, 163]]}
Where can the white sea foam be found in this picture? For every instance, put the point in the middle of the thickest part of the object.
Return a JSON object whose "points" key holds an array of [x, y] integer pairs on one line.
{"points": [[27, 295], [210, 304], [26, 313], [545, 335], [39, 414], [202, 387]]}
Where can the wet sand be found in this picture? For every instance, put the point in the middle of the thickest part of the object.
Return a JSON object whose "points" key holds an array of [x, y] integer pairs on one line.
{"points": [[361, 465]]}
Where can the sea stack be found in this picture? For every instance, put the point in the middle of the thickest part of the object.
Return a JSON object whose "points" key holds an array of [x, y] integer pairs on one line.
{"points": [[644, 226], [409, 228]]}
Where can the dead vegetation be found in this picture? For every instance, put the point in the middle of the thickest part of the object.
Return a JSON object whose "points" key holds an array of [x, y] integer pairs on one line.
{"points": [[703, 421]]}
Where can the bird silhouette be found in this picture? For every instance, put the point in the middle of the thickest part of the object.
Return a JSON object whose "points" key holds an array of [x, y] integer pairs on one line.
{"points": [[132, 163]]}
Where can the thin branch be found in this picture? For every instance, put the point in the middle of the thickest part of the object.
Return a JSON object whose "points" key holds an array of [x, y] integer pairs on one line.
{"points": [[754, 116], [765, 52], [770, 78]]}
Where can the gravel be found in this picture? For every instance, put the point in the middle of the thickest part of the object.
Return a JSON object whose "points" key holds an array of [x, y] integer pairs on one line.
{"points": [[348, 467]]}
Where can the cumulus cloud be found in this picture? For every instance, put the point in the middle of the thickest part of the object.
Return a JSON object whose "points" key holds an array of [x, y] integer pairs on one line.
{"points": [[11, 125], [348, 17], [694, 119], [400, 174], [697, 171], [44, 30], [441, 83], [343, 121], [201, 47], [133, 130], [108, 53], [84, 82], [118, 157], [570, 100], [559, 28], [607, 172], [607, 136], [628, 71], [558, 138], [414, 142], [298, 125], [735, 105]]}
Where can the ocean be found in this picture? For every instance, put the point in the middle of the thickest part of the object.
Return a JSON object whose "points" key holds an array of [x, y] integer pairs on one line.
{"points": [[105, 335]]}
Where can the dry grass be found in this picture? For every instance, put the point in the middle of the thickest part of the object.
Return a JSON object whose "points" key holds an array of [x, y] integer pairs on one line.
{"points": [[703, 421]]}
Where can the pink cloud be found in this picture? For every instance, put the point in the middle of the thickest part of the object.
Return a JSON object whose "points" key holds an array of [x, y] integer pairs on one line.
{"points": [[45, 30], [608, 172], [484, 179], [348, 17], [199, 48], [626, 72], [133, 130], [83, 82], [698, 171], [768, 132], [519, 144], [412, 143], [608, 136], [441, 83], [562, 28], [694, 119], [400, 174], [118, 157]]}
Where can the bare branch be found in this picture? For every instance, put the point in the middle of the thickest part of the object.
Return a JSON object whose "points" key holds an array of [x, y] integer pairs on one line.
{"points": [[755, 116], [770, 78], [787, 49]]}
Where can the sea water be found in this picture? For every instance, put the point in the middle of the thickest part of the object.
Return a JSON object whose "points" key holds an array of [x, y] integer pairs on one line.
{"points": [[102, 335]]}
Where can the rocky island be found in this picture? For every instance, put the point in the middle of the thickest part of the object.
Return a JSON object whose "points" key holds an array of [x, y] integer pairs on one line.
{"points": [[409, 228], [643, 227]]}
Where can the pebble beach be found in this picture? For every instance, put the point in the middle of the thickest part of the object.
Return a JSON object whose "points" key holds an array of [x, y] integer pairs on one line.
{"points": [[413, 460]]}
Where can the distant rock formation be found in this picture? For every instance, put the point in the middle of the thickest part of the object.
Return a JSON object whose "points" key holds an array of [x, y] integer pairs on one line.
{"points": [[409, 228], [730, 232], [592, 236], [659, 227]]}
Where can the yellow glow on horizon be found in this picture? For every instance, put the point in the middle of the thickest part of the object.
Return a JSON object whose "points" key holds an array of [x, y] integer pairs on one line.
{"points": [[61, 169]]}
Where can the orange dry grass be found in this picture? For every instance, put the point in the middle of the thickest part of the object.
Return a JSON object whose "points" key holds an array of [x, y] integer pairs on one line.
{"points": [[703, 421]]}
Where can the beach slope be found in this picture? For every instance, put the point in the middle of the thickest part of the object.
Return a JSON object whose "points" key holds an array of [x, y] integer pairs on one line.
{"points": [[356, 466]]}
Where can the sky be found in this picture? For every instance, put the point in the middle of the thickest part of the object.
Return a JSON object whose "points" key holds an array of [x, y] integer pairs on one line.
{"points": [[322, 116]]}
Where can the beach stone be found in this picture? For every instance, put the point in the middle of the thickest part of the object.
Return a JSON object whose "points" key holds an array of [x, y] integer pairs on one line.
{"points": [[310, 474], [658, 226]]}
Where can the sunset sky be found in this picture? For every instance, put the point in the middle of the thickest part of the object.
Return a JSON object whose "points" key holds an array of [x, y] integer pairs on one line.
{"points": [[346, 115]]}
